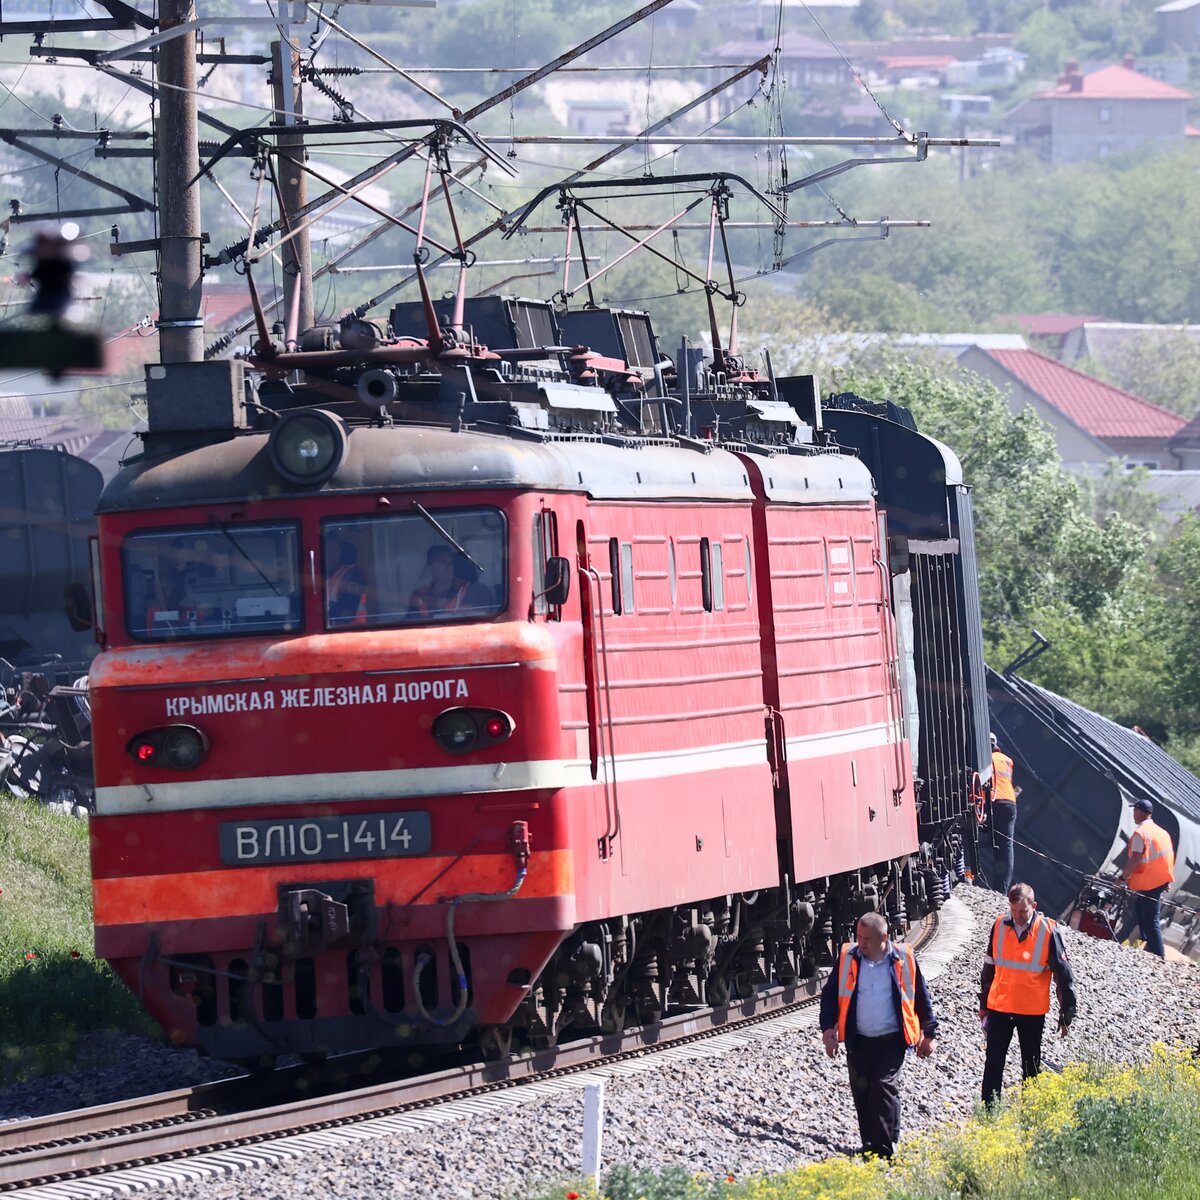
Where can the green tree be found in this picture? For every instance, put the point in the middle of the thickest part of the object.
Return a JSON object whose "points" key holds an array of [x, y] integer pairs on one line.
{"points": [[1162, 366], [1043, 555], [1179, 630]]}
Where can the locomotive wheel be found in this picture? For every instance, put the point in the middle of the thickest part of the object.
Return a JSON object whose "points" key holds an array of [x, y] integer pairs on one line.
{"points": [[717, 990], [612, 1017], [978, 798], [495, 1042], [647, 1014]]}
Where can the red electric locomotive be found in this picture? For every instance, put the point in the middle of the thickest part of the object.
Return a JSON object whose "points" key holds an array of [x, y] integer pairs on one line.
{"points": [[456, 694]]}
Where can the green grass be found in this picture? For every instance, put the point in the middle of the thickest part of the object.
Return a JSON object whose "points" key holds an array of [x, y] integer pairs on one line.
{"points": [[1090, 1133], [52, 988]]}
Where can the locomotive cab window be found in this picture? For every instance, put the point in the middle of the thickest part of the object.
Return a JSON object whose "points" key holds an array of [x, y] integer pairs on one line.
{"points": [[428, 566], [212, 580], [545, 547]]}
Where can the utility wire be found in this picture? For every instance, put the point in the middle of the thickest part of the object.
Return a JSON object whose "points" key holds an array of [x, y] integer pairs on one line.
{"points": [[855, 72]]}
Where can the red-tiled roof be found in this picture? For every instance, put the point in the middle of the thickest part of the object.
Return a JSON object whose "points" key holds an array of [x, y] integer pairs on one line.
{"points": [[1117, 83], [1099, 408], [128, 352], [1047, 324]]}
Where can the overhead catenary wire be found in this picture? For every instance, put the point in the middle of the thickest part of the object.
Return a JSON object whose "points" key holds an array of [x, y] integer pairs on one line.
{"points": [[855, 72]]}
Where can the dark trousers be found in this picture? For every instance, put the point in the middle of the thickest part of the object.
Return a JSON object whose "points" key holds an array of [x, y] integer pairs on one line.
{"points": [[1000, 1028], [1148, 906], [1004, 819], [874, 1072]]}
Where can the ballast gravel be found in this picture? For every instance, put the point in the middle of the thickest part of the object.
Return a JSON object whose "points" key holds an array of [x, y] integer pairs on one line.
{"points": [[760, 1108]]}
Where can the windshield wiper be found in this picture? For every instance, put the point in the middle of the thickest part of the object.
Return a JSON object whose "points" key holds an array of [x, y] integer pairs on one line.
{"points": [[441, 529], [234, 543]]}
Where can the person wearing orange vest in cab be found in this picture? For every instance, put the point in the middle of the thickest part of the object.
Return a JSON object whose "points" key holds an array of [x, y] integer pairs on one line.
{"points": [[1024, 952], [346, 588], [447, 585], [1004, 817], [876, 1003], [1149, 871]]}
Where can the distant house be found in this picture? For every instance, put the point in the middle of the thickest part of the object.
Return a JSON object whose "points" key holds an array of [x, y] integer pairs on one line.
{"points": [[80, 434], [1113, 345], [597, 115], [998, 65], [1092, 421], [679, 17], [808, 66], [1051, 333], [1086, 117], [805, 63], [964, 107], [1185, 445], [222, 306], [978, 46], [1179, 25], [898, 68]]}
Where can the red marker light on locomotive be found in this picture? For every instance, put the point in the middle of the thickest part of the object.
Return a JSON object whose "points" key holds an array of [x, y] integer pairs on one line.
{"points": [[460, 730], [179, 747]]}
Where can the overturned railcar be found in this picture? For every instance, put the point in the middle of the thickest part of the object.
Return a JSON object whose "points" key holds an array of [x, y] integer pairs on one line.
{"points": [[48, 503], [1078, 773]]}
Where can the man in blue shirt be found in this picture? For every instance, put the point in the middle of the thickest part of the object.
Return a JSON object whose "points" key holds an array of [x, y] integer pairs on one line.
{"points": [[877, 1003]]}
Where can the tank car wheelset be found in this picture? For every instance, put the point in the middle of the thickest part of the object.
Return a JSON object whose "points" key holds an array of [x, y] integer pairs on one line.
{"points": [[496, 704]]}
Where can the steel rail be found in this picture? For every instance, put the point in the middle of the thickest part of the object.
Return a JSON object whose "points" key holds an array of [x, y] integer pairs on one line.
{"points": [[177, 1125]]}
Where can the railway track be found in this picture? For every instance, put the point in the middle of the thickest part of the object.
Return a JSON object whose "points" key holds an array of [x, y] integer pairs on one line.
{"points": [[53, 1154]]}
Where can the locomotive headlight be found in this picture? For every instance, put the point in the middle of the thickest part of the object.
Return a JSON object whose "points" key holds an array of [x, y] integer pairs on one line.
{"points": [[307, 445], [456, 730], [462, 729], [183, 746], [177, 747]]}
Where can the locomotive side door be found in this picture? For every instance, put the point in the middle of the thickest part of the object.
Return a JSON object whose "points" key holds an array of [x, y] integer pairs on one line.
{"points": [[601, 752]]}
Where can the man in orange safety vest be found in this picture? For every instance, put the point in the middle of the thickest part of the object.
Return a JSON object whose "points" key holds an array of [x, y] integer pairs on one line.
{"points": [[1024, 951], [1004, 816], [1149, 871], [876, 1003]]}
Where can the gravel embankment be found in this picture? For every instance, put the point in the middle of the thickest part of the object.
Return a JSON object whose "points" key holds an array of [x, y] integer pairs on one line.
{"points": [[762, 1108]]}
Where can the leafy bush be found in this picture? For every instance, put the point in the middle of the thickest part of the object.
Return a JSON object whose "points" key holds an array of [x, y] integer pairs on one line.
{"points": [[53, 990], [1089, 1133]]}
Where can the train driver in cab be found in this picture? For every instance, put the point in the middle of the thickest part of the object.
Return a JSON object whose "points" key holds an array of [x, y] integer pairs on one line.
{"points": [[346, 587], [174, 605], [448, 584]]}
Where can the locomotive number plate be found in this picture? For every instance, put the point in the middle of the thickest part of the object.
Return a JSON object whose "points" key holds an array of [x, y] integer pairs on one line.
{"points": [[324, 839]]}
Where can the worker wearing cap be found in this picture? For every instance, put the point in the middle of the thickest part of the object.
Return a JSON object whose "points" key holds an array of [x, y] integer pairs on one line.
{"points": [[1004, 816], [1149, 870]]}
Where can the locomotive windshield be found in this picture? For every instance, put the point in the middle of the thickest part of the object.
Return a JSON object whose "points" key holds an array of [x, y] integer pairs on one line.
{"points": [[424, 566], [212, 580]]}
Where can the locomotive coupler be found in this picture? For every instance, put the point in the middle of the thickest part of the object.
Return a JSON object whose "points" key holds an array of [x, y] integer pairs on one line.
{"points": [[312, 918]]}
